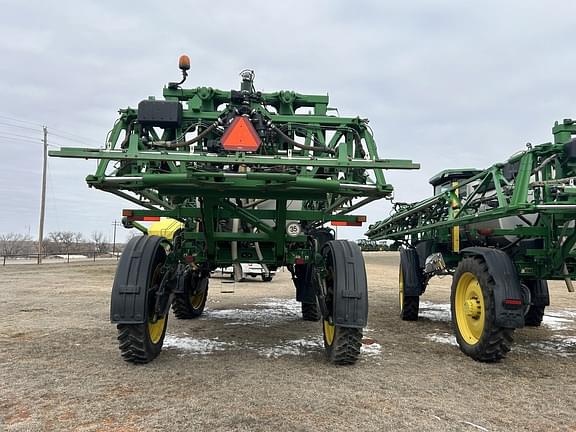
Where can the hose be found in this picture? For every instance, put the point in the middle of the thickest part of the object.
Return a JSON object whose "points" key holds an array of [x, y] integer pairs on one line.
{"points": [[176, 144], [299, 145]]}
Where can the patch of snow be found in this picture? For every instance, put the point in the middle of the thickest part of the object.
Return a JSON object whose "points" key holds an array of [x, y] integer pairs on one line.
{"points": [[561, 346], [265, 314], [435, 311], [294, 347], [195, 346], [371, 350], [558, 320], [445, 338]]}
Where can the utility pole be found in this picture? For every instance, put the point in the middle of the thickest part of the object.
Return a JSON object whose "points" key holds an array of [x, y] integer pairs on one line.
{"points": [[43, 197], [115, 223]]}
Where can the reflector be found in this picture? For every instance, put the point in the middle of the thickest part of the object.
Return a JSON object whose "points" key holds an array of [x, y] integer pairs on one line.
{"points": [[241, 136], [344, 223]]}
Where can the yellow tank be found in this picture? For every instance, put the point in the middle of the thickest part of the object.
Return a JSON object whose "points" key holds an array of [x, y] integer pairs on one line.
{"points": [[166, 227]]}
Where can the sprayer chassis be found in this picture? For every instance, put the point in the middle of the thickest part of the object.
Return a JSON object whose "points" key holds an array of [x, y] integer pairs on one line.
{"points": [[262, 197]]}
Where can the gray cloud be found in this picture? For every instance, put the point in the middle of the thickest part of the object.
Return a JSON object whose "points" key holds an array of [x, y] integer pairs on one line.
{"points": [[444, 83]]}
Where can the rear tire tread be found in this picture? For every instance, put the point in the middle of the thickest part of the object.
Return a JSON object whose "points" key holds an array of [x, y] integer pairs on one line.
{"points": [[133, 344], [345, 348]]}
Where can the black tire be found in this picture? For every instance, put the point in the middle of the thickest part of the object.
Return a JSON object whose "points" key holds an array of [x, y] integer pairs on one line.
{"points": [[473, 313], [191, 303], [266, 278], [311, 312], [410, 308], [342, 344], [534, 316], [141, 343], [535, 313], [409, 269], [136, 345]]}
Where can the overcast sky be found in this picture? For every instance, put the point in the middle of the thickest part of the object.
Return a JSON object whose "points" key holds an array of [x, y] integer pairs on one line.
{"points": [[445, 83]]}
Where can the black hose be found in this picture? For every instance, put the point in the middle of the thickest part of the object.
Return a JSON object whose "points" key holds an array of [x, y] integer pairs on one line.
{"points": [[176, 144], [299, 145]]}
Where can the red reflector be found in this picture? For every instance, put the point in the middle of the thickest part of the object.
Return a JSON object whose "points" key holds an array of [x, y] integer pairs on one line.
{"points": [[361, 218], [127, 213], [299, 261], [241, 136], [144, 218], [514, 302], [344, 223]]}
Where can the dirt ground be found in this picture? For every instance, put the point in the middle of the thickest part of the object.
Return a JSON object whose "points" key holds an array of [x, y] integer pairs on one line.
{"points": [[252, 364]]}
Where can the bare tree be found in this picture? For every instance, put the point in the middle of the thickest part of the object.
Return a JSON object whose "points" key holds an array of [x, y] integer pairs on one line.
{"points": [[13, 243], [100, 243], [62, 241]]}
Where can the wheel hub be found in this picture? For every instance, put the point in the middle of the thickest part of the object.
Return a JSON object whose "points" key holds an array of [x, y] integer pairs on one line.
{"points": [[473, 308]]}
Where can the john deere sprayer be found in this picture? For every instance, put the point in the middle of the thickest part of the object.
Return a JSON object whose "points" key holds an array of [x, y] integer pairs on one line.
{"points": [[501, 233], [238, 176]]}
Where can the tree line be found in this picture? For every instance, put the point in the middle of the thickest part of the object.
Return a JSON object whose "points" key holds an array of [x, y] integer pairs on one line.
{"points": [[57, 242]]}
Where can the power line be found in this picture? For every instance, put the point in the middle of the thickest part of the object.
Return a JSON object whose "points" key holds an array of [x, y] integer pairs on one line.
{"points": [[59, 132], [27, 140], [22, 136], [21, 127], [20, 120], [70, 138]]}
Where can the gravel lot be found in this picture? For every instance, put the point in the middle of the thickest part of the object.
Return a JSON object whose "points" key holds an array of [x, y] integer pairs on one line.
{"points": [[252, 364]]}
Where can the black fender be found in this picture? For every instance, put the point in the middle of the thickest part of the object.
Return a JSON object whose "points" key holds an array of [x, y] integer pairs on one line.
{"points": [[509, 303], [425, 248], [350, 305], [410, 261], [130, 289]]}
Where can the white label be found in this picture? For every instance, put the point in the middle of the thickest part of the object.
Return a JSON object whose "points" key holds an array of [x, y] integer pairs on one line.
{"points": [[293, 229]]}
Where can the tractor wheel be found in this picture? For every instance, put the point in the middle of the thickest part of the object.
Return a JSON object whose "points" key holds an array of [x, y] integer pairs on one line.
{"points": [[342, 344], [191, 303], [535, 313], [311, 312], [534, 316], [141, 343], [473, 313], [409, 305]]}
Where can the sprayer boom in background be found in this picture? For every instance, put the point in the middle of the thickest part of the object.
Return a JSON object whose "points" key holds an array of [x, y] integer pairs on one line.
{"points": [[501, 232]]}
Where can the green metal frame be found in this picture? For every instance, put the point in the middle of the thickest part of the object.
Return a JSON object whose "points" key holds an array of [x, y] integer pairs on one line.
{"points": [[335, 170], [540, 180]]}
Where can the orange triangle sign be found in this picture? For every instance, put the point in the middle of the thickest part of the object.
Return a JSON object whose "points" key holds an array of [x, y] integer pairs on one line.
{"points": [[241, 136]]}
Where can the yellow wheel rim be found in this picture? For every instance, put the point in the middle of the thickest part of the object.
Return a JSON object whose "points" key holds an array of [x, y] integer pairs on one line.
{"points": [[155, 330], [401, 288], [469, 308], [329, 332], [197, 299]]}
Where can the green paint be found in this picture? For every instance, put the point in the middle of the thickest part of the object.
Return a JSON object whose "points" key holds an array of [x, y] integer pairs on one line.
{"points": [[533, 190], [334, 170]]}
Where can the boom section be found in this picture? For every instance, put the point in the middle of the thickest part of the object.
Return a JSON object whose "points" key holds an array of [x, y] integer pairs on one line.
{"points": [[525, 206]]}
